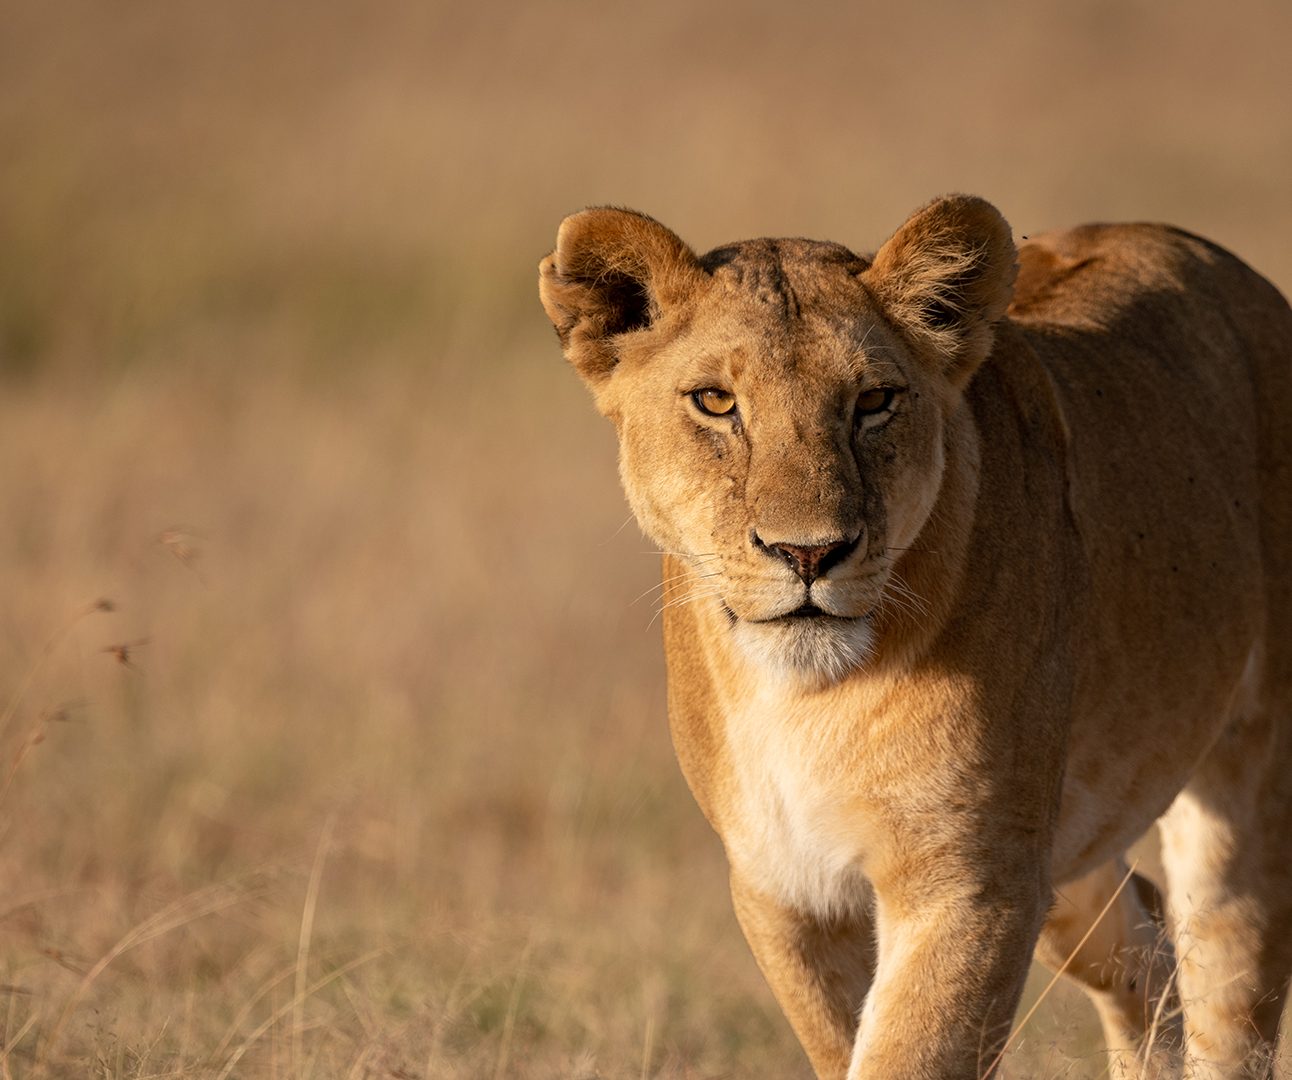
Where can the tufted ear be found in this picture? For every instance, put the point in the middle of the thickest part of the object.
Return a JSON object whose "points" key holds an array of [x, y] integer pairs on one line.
{"points": [[613, 271], [946, 277]]}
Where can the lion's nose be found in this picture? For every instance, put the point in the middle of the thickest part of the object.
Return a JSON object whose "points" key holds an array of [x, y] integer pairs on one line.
{"points": [[810, 562]]}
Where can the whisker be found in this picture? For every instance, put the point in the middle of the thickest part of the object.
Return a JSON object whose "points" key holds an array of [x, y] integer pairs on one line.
{"points": [[893, 596], [669, 580], [904, 597], [709, 593], [698, 594], [891, 603], [618, 530], [900, 588]]}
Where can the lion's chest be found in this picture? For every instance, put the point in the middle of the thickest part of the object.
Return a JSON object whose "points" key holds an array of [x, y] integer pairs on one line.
{"points": [[794, 830]]}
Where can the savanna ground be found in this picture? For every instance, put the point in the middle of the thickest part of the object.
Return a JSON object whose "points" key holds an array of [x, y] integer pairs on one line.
{"points": [[331, 707]]}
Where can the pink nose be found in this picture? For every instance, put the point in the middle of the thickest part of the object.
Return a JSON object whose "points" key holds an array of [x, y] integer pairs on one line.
{"points": [[812, 562]]}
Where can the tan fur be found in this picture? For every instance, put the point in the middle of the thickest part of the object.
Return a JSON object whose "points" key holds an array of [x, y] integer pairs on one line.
{"points": [[1059, 609]]}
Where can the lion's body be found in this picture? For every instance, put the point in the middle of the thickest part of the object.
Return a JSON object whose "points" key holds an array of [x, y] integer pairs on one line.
{"points": [[1060, 608]]}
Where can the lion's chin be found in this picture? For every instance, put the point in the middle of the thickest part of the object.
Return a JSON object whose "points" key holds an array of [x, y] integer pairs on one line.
{"points": [[820, 650]]}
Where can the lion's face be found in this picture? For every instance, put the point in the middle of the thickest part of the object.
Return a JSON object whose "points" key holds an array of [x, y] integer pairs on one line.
{"points": [[778, 428], [781, 418]]}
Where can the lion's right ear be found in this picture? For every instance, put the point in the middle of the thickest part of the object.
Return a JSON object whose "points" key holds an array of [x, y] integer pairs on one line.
{"points": [[613, 271]]}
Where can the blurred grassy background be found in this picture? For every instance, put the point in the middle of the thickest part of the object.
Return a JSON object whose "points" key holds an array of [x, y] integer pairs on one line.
{"points": [[383, 785]]}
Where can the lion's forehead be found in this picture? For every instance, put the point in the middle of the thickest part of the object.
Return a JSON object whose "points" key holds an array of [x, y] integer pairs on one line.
{"points": [[800, 379], [793, 279], [786, 308], [784, 311], [749, 258]]}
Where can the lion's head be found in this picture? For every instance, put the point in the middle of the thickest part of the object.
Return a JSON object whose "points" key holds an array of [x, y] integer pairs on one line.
{"points": [[781, 404]]}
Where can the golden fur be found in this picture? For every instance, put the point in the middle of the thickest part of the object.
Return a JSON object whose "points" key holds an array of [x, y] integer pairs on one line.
{"points": [[988, 568]]}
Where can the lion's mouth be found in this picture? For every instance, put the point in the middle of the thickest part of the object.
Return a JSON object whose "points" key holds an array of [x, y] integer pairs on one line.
{"points": [[808, 611]]}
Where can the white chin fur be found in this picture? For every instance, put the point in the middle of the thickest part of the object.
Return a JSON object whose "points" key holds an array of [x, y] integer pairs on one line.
{"points": [[818, 650]]}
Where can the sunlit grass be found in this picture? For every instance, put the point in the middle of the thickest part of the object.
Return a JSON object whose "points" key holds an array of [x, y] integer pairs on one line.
{"points": [[364, 768]]}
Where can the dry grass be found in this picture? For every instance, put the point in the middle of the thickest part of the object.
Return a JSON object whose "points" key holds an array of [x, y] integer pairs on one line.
{"points": [[365, 773]]}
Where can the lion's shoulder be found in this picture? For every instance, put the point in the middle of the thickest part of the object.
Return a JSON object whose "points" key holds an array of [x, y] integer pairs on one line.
{"points": [[1094, 272]]}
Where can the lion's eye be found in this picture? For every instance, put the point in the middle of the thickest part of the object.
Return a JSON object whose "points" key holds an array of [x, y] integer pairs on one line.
{"points": [[714, 402], [875, 401]]}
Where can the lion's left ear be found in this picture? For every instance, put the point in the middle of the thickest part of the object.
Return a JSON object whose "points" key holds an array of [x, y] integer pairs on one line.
{"points": [[946, 277]]}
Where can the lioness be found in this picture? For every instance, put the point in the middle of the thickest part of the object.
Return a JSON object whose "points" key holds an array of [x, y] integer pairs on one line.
{"points": [[980, 561]]}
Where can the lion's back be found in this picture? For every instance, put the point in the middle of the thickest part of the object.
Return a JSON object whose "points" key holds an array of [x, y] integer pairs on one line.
{"points": [[1171, 363]]}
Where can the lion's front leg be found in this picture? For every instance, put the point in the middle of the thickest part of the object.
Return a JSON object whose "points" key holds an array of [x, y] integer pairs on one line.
{"points": [[819, 970], [952, 962]]}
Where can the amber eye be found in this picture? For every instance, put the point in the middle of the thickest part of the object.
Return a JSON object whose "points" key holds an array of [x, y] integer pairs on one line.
{"points": [[714, 402], [875, 401]]}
